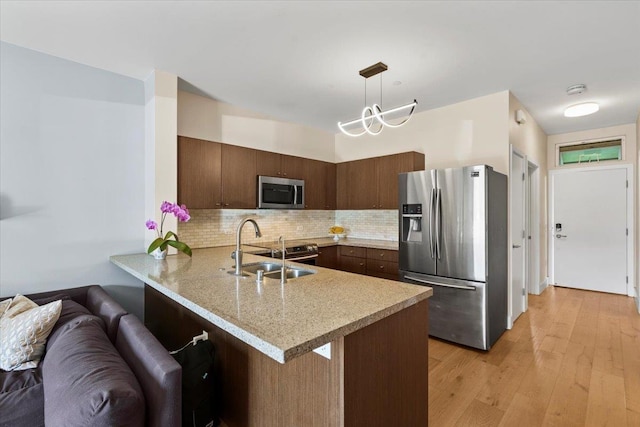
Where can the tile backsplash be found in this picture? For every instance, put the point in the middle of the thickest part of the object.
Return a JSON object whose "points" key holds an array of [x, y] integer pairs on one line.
{"points": [[217, 227]]}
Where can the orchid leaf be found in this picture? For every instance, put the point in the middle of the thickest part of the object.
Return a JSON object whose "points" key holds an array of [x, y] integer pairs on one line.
{"points": [[182, 247], [171, 234], [156, 244]]}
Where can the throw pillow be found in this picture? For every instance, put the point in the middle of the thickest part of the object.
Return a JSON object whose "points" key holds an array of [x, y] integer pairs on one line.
{"points": [[4, 305], [24, 329]]}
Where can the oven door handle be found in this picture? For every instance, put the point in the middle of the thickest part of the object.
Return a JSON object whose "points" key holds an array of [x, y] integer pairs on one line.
{"points": [[302, 258]]}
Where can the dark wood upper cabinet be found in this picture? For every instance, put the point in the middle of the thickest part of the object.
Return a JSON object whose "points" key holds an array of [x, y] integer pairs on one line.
{"points": [[279, 165], [330, 201], [268, 163], [213, 175], [373, 183], [239, 183], [199, 173], [315, 190]]}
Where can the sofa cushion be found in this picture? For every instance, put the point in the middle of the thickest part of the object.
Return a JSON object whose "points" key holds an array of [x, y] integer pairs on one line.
{"points": [[71, 314], [22, 398], [86, 382], [24, 329]]}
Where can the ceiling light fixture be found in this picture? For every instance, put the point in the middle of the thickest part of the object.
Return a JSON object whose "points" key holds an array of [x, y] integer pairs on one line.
{"points": [[374, 114], [580, 110]]}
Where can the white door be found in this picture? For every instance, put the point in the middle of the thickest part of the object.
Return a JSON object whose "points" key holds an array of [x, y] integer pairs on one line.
{"points": [[589, 229], [517, 180]]}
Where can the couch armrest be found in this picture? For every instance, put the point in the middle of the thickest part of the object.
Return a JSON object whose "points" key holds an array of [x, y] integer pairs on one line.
{"points": [[160, 376], [102, 305]]}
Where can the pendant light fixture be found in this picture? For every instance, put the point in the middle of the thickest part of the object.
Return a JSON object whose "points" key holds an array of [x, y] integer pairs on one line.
{"points": [[372, 119]]}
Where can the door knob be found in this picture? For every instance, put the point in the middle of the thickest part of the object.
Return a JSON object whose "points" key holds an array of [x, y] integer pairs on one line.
{"points": [[558, 236]]}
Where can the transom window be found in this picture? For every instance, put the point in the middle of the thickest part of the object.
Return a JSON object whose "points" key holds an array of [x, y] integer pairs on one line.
{"points": [[590, 152]]}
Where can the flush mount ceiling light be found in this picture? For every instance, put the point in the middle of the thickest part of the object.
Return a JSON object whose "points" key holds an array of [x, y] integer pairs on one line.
{"points": [[580, 110], [372, 119]]}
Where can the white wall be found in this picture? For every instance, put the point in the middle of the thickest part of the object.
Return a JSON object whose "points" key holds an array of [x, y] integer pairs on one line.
{"points": [[530, 139], [466, 133], [204, 118], [71, 175]]}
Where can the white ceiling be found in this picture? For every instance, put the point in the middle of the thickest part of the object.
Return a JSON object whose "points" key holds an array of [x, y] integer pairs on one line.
{"points": [[299, 61]]}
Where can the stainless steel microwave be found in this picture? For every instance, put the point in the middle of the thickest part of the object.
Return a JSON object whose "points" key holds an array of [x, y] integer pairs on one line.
{"points": [[280, 193]]}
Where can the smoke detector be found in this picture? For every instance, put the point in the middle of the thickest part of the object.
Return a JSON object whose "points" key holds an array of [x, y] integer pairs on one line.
{"points": [[576, 89]]}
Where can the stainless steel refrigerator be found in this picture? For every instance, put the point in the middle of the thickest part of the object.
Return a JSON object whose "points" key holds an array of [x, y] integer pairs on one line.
{"points": [[453, 238]]}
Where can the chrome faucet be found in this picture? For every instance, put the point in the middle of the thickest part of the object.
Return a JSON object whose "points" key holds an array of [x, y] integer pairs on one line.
{"points": [[283, 272], [237, 254]]}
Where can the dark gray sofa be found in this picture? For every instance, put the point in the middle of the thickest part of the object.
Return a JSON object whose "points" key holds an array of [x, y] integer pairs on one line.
{"points": [[82, 379]]}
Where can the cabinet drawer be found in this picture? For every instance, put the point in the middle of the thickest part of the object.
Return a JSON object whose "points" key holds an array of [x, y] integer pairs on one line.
{"points": [[375, 266], [382, 254], [353, 251], [353, 264]]}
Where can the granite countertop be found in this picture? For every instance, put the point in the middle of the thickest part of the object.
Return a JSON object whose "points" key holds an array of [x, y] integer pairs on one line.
{"points": [[282, 321]]}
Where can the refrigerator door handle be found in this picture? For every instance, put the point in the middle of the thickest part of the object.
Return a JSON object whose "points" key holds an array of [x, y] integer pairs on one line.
{"points": [[438, 222], [444, 285], [431, 199]]}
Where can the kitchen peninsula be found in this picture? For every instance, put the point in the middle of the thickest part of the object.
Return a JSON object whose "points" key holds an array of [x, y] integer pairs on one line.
{"points": [[264, 334]]}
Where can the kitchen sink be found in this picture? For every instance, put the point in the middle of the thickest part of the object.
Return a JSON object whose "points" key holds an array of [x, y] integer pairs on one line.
{"points": [[272, 270]]}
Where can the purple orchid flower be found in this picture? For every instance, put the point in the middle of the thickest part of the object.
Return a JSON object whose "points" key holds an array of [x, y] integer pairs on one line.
{"points": [[152, 225]]}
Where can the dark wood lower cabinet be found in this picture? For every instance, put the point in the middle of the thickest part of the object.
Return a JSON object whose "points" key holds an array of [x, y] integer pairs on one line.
{"points": [[381, 263], [328, 257], [377, 375]]}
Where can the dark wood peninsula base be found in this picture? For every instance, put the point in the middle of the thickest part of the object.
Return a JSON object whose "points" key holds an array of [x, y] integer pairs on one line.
{"points": [[377, 376]]}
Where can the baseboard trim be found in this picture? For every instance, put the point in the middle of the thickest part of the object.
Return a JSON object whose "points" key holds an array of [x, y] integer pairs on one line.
{"points": [[543, 285]]}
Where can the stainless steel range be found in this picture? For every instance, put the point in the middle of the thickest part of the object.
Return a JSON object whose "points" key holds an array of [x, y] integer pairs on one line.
{"points": [[306, 252]]}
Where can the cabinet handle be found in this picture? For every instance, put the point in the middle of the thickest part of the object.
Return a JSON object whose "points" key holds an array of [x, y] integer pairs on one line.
{"points": [[278, 173], [306, 206], [361, 263], [226, 204], [217, 204], [285, 174], [382, 267], [382, 255], [374, 206]]}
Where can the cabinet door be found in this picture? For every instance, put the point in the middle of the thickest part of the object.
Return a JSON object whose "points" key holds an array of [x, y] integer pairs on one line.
{"points": [[388, 168], [330, 201], [239, 182], [384, 269], [293, 167], [353, 264], [268, 163], [199, 173], [328, 257], [315, 184], [361, 184], [342, 193]]}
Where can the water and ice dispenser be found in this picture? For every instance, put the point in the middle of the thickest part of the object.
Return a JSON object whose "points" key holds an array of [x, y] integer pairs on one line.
{"points": [[412, 222]]}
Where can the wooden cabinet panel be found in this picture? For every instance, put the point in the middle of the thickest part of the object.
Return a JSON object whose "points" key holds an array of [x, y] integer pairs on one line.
{"points": [[352, 251], [373, 183], [330, 186], [353, 264], [239, 183], [293, 167], [342, 195], [382, 254], [328, 257], [315, 184], [267, 163], [361, 184], [388, 168], [199, 169], [376, 267]]}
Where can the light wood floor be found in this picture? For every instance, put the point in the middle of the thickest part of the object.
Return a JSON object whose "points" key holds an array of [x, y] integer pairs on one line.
{"points": [[573, 359]]}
